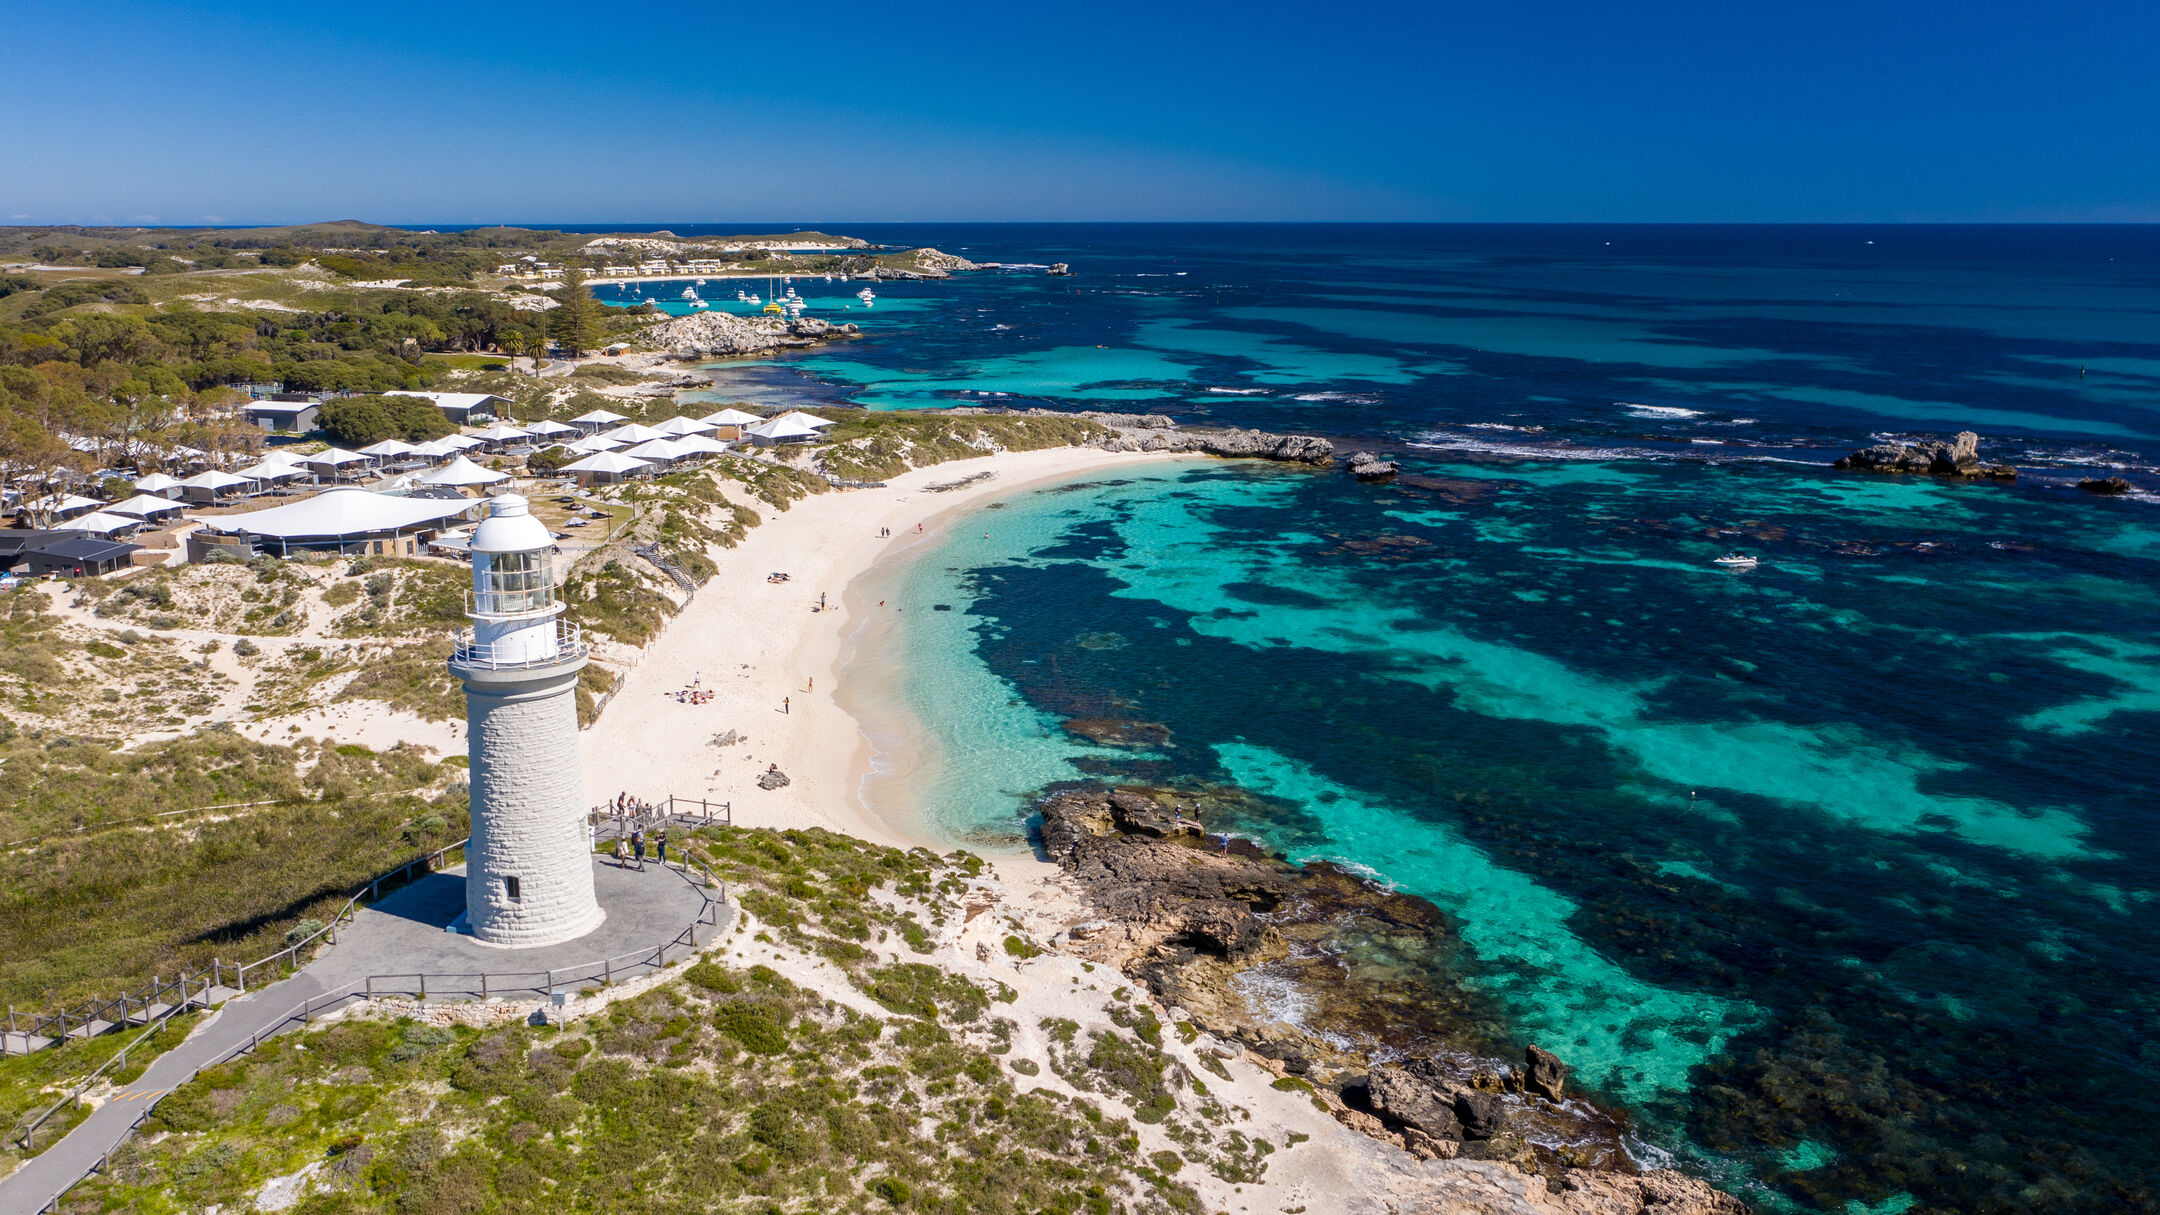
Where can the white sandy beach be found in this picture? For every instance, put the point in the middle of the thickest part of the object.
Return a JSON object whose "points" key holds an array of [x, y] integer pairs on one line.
{"points": [[774, 662]]}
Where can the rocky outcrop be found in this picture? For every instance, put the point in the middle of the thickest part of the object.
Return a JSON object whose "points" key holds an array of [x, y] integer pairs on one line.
{"points": [[715, 334], [772, 778], [1150, 435], [1544, 1074], [2104, 485], [1960, 457], [1366, 466], [947, 263], [1185, 912], [1059, 270], [1179, 901]]}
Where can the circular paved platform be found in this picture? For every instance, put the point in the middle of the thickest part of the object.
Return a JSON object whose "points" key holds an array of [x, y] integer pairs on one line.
{"points": [[405, 934]]}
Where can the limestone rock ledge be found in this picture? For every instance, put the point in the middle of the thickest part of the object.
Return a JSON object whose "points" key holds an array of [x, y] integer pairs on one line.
{"points": [[1183, 912], [715, 334]]}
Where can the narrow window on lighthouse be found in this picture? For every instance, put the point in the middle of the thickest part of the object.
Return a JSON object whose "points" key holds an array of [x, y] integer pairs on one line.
{"points": [[510, 887]]}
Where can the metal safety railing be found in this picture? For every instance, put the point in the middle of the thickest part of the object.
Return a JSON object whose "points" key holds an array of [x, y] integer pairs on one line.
{"points": [[607, 970], [98, 1015], [467, 651]]}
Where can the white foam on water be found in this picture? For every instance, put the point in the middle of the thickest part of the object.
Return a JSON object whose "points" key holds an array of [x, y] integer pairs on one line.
{"points": [[1522, 451], [1273, 997], [1240, 392], [1658, 411], [1354, 398]]}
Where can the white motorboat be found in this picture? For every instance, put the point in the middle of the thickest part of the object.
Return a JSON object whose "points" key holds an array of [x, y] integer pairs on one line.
{"points": [[689, 293], [1736, 561]]}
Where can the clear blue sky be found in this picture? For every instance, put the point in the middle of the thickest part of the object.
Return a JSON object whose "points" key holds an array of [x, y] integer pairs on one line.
{"points": [[249, 112]]}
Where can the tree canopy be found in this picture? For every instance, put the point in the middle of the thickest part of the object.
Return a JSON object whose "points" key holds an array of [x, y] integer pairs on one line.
{"points": [[359, 421]]}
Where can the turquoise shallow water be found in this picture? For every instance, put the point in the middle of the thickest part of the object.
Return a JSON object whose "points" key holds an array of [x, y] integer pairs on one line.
{"points": [[1717, 839], [1838, 874]]}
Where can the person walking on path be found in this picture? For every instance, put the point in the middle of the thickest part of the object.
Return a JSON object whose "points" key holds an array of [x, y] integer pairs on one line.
{"points": [[622, 854], [660, 840], [637, 845]]}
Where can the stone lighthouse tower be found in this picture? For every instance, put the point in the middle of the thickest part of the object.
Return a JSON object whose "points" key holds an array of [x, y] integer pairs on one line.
{"points": [[528, 873]]}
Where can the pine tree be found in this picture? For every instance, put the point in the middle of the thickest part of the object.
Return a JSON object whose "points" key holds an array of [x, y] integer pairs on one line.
{"points": [[576, 324]]}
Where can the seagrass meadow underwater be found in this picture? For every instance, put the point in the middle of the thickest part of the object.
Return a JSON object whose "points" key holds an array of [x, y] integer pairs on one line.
{"points": [[1835, 874]]}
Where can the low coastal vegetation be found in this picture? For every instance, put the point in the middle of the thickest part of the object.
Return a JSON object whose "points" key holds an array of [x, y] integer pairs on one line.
{"points": [[127, 864], [729, 1087]]}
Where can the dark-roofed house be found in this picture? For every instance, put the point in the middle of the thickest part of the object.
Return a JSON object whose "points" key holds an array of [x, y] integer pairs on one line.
{"points": [[80, 556], [16, 543]]}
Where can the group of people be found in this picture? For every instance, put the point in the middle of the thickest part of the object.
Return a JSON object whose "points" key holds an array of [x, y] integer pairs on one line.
{"points": [[693, 696], [630, 812]]}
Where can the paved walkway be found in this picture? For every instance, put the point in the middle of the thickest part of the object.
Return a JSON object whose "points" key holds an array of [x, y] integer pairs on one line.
{"points": [[396, 937]]}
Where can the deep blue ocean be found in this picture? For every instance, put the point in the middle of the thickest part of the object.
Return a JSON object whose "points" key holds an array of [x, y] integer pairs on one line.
{"points": [[1836, 874]]}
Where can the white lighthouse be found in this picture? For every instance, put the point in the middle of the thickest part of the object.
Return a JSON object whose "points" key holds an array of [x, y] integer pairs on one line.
{"points": [[528, 870]]}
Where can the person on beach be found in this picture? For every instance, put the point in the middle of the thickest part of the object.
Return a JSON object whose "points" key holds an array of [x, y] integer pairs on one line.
{"points": [[811, 686], [784, 706], [637, 846]]}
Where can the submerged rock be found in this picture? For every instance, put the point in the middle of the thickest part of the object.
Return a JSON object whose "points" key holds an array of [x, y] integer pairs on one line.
{"points": [[1960, 457], [2104, 485]]}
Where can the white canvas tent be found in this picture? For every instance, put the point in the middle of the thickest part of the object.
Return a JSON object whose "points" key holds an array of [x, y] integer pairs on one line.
{"points": [[345, 518], [272, 470], [99, 523], [634, 433], [597, 420], [461, 471], [501, 434], [146, 506], [678, 427], [731, 417], [388, 449], [808, 419], [157, 483], [606, 466], [699, 445], [547, 429], [656, 450], [461, 442], [212, 486], [594, 445], [436, 449], [780, 430], [337, 462]]}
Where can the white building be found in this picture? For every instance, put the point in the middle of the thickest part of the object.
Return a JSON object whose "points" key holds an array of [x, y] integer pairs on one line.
{"points": [[528, 869]]}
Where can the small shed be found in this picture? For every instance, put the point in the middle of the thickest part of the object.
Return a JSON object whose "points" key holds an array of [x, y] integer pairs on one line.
{"points": [[297, 417]]}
